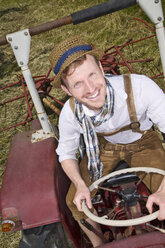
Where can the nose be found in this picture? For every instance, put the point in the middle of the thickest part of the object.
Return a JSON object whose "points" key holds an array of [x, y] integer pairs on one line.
{"points": [[90, 86]]}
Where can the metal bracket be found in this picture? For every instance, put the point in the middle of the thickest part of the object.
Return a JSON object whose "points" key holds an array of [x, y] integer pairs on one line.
{"points": [[20, 43], [153, 9]]}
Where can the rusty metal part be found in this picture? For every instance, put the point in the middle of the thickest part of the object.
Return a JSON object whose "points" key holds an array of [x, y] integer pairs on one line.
{"points": [[50, 25], [43, 27], [39, 135]]}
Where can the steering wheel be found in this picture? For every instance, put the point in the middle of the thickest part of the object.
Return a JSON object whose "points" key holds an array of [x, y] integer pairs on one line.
{"points": [[131, 222]]}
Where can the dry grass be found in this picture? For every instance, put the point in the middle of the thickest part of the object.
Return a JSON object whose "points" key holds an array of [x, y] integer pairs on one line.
{"points": [[113, 29]]}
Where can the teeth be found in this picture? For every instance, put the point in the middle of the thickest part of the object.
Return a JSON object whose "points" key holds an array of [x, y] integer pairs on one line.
{"points": [[93, 95]]}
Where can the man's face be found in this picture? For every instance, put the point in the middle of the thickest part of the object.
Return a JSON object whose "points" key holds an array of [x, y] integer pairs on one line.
{"points": [[87, 84]]}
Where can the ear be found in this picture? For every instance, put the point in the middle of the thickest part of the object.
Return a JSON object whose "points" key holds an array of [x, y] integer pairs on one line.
{"points": [[101, 68], [64, 88]]}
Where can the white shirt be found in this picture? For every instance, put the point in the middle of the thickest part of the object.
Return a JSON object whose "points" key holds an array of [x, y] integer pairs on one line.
{"points": [[149, 102]]}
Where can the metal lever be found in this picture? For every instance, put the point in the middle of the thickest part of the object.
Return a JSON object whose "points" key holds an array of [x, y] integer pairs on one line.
{"points": [[153, 9], [20, 43]]}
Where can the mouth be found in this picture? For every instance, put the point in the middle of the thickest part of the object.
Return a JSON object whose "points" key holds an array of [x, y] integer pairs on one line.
{"points": [[94, 95]]}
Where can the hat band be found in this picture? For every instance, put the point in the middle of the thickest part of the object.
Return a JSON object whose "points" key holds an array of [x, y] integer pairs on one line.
{"points": [[68, 53]]}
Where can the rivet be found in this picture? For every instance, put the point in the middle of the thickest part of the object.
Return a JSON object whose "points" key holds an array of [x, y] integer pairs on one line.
{"points": [[159, 18], [26, 33], [9, 39], [15, 47], [21, 63]]}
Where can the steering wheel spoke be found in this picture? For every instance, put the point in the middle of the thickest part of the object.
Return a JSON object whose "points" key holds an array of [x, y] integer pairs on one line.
{"points": [[111, 190], [141, 196], [141, 179]]}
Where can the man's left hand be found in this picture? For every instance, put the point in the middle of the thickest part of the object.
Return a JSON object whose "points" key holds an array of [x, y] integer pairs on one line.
{"points": [[159, 199]]}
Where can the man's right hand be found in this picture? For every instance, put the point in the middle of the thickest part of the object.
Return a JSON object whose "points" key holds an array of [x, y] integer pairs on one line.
{"points": [[82, 193], [71, 168]]}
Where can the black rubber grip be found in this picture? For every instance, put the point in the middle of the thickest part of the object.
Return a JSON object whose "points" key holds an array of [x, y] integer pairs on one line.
{"points": [[100, 10]]}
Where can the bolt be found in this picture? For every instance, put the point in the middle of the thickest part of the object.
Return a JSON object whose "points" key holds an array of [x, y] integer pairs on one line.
{"points": [[156, 1], [21, 63], [26, 33], [15, 47], [42, 118], [9, 39], [159, 19]]}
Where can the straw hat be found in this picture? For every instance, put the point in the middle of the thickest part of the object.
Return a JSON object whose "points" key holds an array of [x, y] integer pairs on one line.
{"points": [[67, 52]]}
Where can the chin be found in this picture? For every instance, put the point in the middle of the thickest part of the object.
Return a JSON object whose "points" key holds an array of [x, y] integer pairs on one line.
{"points": [[96, 108]]}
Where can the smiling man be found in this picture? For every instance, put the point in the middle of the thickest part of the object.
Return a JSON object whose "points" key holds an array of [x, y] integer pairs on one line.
{"points": [[87, 84], [115, 114]]}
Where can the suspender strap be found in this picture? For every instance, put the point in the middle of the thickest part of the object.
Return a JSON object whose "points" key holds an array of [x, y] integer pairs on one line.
{"points": [[125, 128], [130, 103], [134, 125]]}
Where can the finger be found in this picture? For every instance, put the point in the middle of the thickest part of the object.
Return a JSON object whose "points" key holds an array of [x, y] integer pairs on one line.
{"points": [[149, 205], [161, 215], [89, 202]]}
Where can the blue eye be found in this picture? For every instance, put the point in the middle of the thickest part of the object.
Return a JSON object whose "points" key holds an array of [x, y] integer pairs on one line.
{"points": [[92, 74], [77, 85]]}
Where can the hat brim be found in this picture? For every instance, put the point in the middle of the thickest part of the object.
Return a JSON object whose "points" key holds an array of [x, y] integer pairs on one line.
{"points": [[98, 53]]}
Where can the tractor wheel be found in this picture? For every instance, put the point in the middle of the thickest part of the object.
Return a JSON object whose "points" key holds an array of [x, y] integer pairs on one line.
{"points": [[49, 236], [57, 238]]}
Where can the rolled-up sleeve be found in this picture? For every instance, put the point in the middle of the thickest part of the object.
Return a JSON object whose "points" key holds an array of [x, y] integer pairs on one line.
{"points": [[69, 133], [153, 99]]}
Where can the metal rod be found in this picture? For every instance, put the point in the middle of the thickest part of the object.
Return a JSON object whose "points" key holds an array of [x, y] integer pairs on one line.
{"points": [[43, 27], [16, 125], [121, 55], [160, 32], [26, 98], [36, 99]]}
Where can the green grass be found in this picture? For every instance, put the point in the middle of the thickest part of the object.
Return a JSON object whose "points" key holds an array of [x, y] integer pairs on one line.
{"points": [[104, 32]]}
